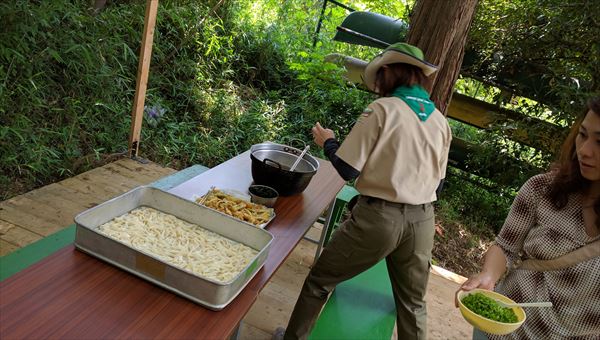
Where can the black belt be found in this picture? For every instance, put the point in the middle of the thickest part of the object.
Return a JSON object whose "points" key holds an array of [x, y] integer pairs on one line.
{"points": [[371, 199]]}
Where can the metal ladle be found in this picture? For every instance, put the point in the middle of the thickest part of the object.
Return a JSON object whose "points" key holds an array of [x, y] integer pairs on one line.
{"points": [[299, 158]]}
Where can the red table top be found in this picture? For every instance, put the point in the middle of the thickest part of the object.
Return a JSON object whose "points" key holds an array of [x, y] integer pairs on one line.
{"points": [[70, 294]]}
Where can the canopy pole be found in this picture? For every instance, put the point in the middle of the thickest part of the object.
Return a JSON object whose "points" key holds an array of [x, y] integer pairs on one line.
{"points": [[137, 113]]}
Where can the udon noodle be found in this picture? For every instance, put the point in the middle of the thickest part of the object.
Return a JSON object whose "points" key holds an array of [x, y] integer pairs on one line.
{"points": [[179, 243]]}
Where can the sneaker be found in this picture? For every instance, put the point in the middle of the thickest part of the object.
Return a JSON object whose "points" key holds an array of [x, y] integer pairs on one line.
{"points": [[278, 334]]}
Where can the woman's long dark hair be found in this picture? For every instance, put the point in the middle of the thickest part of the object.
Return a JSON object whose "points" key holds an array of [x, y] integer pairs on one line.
{"points": [[567, 174], [400, 74]]}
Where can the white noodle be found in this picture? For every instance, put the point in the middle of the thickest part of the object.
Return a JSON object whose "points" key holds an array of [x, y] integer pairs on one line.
{"points": [[180, 243]]}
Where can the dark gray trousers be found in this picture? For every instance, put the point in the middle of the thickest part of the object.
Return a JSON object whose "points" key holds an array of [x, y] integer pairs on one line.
{"points": [[377, 229]]}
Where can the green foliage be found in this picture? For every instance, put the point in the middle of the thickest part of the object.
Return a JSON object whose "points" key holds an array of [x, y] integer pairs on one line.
{"points": [[505, 164], [474, 202], [66, 77], [547, 49], [543, 55]]}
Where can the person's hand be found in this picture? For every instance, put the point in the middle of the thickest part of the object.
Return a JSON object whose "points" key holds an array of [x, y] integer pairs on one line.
{"points": [[481, 280], [320, 134]]}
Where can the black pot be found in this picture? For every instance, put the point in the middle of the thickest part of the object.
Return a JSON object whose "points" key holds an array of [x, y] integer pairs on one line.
{"points": [[271, 165]]}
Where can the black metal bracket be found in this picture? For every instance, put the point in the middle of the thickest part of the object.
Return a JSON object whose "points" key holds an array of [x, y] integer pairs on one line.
{"points": [[134, 155], [382, 44], [322, 15]]}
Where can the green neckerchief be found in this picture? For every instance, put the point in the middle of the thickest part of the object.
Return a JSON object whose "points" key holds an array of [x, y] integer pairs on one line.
{"points": [[417, 99]]}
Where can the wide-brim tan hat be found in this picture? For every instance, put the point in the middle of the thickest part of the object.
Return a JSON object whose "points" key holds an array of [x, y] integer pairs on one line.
{"points": [[397, 53]]}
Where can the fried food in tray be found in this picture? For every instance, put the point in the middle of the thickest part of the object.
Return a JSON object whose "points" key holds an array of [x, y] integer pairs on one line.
{"points": [[256, 214]]}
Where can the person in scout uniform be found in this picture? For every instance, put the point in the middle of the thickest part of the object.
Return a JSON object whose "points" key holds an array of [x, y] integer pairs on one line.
{"points": [[398, 151]]}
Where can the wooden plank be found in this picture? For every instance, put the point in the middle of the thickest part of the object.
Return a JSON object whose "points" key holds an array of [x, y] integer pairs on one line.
{"points": [[305, 256], [314, 233], [354, 67], [7, 247], [472, 112], [21, 217], [118, 176], [52, 191], [57, 208], [249, 331], [459, 157], [268, 312], [152, 170], [133, 174], [276, 302], [17, 235], [64, 208], [26, 218], [530, 131], [443, 319], [129, 171], [76, 198], [144, 166], [5, 227], [113, 179], [139, 176], [111, 182], [98, 191], [142, 77], [116, 181], [31, 215]]}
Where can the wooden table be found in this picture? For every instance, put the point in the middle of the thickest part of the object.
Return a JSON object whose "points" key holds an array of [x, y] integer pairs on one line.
{"points": [[72, 295]]}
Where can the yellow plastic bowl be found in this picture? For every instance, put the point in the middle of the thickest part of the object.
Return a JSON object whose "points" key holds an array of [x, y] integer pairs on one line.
{"points": [[485, 324]]}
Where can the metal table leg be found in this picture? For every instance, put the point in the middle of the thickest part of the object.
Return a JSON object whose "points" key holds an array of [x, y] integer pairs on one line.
{"points": [[236, 332], [325, 230]]}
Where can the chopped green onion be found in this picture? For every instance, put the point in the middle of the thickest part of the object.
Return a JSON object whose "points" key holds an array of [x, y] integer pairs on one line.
{"points": [[489, 308]]}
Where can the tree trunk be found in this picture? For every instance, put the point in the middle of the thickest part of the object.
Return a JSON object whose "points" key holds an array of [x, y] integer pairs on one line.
{"points": [[440, 28]]}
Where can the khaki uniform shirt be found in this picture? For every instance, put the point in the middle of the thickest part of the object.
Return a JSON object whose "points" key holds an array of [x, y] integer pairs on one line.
{"points": [[401, 158]]}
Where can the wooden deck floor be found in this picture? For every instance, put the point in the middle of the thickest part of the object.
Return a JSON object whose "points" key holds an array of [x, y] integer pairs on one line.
{"points": [[27, 218], [32, 216]]}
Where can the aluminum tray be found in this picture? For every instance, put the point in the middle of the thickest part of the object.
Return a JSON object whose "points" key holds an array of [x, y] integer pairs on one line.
{"points": [[239, 195], [212, 294]]}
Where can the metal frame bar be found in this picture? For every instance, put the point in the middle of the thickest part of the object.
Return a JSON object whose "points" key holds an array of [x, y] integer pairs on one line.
{"points": [[342, 5], [324, 231], [381, 43], [322, 15]]}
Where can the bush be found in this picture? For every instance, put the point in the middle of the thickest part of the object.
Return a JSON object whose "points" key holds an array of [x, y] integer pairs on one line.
{"points": [[219, 86], [67, 87]]}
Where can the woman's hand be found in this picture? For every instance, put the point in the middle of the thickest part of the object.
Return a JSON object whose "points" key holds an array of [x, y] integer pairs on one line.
{"points": [[320, 134], [482, 280], [494, 267]]}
